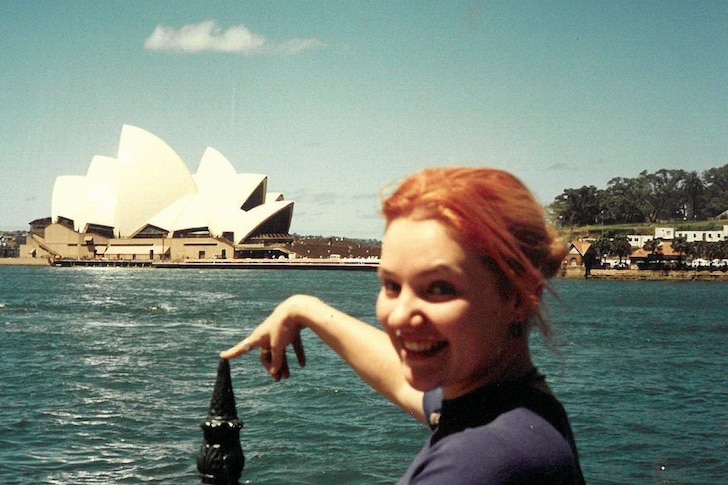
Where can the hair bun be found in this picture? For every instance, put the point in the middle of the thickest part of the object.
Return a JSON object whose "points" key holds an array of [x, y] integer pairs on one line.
{"points": [[557, 251]]}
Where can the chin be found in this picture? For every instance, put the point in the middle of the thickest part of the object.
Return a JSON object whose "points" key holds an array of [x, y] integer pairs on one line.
{"points": [[423, 384]]}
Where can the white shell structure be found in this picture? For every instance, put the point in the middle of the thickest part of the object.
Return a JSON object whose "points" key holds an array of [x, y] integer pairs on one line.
{"points": [[99, 198], [149, 186]]}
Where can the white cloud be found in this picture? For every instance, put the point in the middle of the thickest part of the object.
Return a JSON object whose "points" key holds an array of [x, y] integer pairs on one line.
{"points": [[294, 47], [207, 36]]}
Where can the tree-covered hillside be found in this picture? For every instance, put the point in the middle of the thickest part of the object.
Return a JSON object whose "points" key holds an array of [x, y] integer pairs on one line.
{"points": [[666, 195]]}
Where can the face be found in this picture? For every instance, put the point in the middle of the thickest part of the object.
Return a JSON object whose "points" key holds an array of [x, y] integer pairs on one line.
{"points": [[442, 308]]}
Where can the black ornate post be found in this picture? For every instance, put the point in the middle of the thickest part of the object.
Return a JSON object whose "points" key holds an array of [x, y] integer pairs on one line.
{"points": [[221, 458]]}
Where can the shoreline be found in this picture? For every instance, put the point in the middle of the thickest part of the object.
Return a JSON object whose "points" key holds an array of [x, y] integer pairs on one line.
{"points": [[297, 263], [645, 275], [364, 265], [24, 262], [300, 264]]}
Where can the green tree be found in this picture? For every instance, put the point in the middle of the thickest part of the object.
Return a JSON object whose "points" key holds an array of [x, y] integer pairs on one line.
{"points": [[601, 247], [693, 194], [681, 246], [578, 207], [722, 249], [716, 190], [698, 250], [651, 195], [621, 247], [716, 250], [621, 202], [652, 246], [647, 198], [660, 195]]}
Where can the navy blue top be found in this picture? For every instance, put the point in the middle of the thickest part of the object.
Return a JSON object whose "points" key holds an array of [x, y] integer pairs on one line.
{"points": [[501, 433]]}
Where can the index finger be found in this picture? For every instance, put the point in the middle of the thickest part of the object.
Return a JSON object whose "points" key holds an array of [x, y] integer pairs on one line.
{"points": [[300, 352], [242, 348]]}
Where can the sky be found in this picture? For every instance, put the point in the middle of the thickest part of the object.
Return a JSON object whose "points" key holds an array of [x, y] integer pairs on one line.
{"points": [[335, 101]]}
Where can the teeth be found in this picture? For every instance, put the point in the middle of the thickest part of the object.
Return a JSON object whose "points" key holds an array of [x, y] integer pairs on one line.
{"points": [[417, 346], [422, 347]]}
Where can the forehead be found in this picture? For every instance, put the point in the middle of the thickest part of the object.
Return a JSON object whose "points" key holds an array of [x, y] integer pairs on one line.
{"points": [[407, 239], [411, 228], [425, 248]]}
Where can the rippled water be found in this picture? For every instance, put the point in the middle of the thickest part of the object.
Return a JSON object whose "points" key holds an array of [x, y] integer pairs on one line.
{"points": [[106, 375]]}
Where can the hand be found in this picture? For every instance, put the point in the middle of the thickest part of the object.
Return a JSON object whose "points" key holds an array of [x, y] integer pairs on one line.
{"points": [[281, 329]]}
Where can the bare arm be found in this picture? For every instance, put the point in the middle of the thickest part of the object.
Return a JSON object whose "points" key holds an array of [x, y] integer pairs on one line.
{"points": [[365, 348]]}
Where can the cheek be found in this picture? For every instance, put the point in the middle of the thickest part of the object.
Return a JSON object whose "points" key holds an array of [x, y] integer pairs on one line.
{"points": [[454, 318], [475, 333], [493, 338], [381, 308]]}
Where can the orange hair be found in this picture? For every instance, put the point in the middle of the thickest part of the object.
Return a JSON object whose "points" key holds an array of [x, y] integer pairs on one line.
{"points": [[494, 213]]}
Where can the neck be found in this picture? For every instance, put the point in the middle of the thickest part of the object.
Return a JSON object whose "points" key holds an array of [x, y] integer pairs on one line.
{"points": [[514, 364]]}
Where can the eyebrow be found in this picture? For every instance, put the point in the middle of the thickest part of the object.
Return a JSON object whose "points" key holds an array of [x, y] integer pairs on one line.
{"points": [[437, 269]]}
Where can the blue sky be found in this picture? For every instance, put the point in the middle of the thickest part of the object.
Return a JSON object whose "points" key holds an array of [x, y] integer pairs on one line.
{"points": [[335, 100]]}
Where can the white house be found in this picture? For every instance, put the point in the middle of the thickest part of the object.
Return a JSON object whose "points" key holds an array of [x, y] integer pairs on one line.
{"points": [[704, 236]]}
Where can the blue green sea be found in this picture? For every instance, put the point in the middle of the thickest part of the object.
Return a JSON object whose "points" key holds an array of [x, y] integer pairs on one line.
{"points": [[106, 375]]}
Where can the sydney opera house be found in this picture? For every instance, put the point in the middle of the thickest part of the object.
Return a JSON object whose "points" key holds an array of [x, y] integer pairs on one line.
{"points": [[146, 205]]}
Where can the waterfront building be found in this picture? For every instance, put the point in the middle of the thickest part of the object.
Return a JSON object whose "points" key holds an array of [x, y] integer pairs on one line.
{"points": [[704, 236], [668, 234], [144, 204]]}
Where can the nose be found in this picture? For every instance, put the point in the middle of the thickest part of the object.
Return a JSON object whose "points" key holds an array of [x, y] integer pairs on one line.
{"points": [[405, 310]]}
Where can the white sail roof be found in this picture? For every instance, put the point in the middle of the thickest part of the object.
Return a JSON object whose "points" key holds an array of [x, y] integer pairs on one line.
{"points": [[149, 184], [98, 204], [151, 176], [65, 201]]}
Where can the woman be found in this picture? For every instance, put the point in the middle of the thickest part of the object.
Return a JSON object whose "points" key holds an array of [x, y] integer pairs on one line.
{"points": [[465, 256]]}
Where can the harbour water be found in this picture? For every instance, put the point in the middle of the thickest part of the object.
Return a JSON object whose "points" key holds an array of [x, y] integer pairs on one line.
{"points": [[107, 373]]}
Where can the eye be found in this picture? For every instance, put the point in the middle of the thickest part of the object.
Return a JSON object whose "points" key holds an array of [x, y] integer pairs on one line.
{"points": [[441, 288], [390, 287]]}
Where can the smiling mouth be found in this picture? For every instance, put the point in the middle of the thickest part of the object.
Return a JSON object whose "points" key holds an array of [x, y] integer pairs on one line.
{"points": [[423, 349]]}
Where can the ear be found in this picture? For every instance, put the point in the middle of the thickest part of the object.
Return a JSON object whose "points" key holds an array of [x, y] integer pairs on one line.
{"points": [[516, 308], [520, 308]]}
